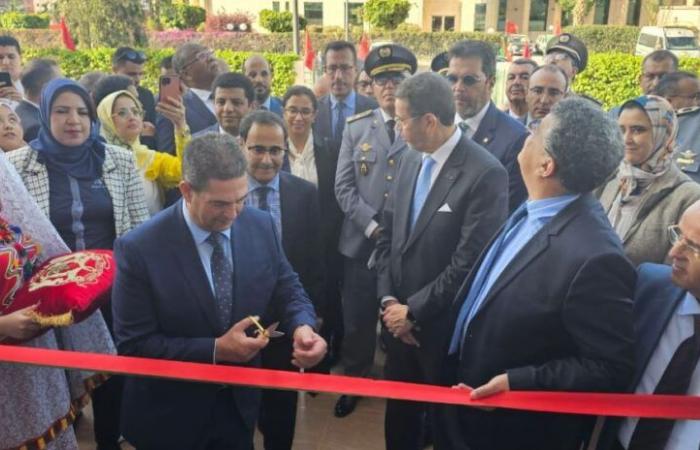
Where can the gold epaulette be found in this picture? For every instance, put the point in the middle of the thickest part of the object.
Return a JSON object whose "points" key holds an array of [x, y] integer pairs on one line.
{"points": [[359, 116]]}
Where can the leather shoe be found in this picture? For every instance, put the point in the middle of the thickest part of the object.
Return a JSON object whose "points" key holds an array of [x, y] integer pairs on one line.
{"points": [[345, 405]]}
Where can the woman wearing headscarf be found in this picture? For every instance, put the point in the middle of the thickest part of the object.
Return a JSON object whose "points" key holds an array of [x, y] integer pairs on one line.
{"points": [[91, 192], [649, 192], [121, 122]]}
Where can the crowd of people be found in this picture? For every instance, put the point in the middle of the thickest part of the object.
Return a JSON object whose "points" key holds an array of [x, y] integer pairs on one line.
{"points": [[545, 244]]}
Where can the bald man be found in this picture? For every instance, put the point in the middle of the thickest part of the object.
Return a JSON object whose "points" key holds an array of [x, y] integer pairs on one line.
{"points": [[259, 71]]}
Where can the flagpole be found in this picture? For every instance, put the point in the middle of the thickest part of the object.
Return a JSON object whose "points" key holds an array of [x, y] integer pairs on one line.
{"points": [[295, 26]]}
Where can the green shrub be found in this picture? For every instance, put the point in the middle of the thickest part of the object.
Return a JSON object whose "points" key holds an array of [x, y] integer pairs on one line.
{"points": [[182, 16], [613, 78], [18, 20], [607, 38], [279, 21], [74, 64], [386, 14]]}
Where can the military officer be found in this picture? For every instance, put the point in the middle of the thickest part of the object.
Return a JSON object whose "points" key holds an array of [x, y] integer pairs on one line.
{"points": [[367, 166], [570, 54], [688, 142], [440, 63]]}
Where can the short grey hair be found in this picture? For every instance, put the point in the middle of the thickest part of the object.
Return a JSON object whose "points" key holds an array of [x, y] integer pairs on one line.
{"points": [[212, 156], [184, 54], [585, 143], [428, 92]]}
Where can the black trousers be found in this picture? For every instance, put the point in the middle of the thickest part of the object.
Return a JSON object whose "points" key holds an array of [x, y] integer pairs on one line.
{"points": [[278, 409], [107, 401]]}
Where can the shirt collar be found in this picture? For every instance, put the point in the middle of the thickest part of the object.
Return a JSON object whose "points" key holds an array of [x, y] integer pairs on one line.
{"points": [[266, 103], [199, 234], [474, 121], [349, 100], [386, 117], [548, 207], [445, 150], [689, 306], [308, 147], [274, 184], [203, 94]]}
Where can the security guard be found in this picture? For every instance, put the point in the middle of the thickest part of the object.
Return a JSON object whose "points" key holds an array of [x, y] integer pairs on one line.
{"points": [[367, 165], [570, 53], [440, 63], [688, 142]]}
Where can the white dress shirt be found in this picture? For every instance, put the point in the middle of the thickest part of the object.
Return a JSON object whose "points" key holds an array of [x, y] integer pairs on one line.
{"points": [[474, 121], [303, 164], [685, 433]]}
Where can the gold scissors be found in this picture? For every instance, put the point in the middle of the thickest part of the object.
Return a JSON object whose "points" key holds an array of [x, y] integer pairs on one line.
{"points": [[269, 332]]}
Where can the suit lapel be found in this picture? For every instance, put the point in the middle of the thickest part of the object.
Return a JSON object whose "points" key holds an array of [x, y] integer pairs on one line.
{"points": [[402, 211], [187, 256], [287, 208], [486, 131]]}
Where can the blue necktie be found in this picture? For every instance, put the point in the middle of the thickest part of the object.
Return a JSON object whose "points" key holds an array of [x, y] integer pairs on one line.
{"points": [[465, 312], [340, 121], [262, 192], [422, 189], [222, 275]]}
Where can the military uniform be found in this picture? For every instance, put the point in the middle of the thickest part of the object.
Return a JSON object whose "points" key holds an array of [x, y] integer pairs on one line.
{"points": [[367, 166], [575, 48], [687, 154], [440, 63]]}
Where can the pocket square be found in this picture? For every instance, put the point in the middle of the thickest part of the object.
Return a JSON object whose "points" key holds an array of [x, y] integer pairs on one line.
{"points": [[445, 208]]}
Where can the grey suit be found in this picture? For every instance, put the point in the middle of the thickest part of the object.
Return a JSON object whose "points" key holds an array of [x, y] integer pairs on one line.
{"points": [[688, 141], [367, 166]]}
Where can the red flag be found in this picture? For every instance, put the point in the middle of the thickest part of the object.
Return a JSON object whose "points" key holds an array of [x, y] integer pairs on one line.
{"points": [[363, 50], [526, 49], [309, 53], [557, 29], [511, 27], [65, 35]]}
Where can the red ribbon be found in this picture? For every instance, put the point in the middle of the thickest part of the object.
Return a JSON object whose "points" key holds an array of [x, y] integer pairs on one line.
{"points": [[625, 405]]}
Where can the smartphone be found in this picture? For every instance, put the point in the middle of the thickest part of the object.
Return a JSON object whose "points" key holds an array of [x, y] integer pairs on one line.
{"points": [[5, 79], [169, 86]]}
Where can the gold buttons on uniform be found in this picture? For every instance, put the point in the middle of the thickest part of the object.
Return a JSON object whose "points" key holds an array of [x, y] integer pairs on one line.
{"points": [[389, 178], [391, 162], [386, 194]]}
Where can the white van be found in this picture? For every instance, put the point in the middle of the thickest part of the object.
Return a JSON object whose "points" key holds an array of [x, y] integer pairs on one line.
{"points": [[680, 41]]}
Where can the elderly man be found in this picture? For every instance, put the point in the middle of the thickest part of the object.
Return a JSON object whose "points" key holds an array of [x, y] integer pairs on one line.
{"points": [[667, 311], [517, 85], [197, 68], [548, 85], [448, 198], [259, 71], [189, 286], [233, 98], [367, 166], [682, 90], [540, 311], [472, 74]]}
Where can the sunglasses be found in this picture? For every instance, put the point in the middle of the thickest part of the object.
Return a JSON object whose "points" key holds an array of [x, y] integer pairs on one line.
{"points": [[467, 80], [201, 56], [133, 56]]}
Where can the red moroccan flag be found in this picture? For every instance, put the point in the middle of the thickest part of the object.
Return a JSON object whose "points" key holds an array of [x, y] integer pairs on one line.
{"points": [[309, 53], [526, 49], [363, 49], [511, 27], [557, 29], [65, 35]]}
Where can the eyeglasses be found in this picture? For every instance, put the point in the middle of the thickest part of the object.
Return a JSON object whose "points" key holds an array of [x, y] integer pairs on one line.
{"points": [[675, 236], [124, 113], [551, 92], [343, 68], [134, 56], [304, 112], [400, 123], [555, 57], [382, 80], [201, 56], [260, 150], [467, 80]]}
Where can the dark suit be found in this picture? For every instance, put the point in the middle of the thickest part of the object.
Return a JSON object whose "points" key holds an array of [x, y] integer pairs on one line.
{"points": [[558, 318], [323, 125], [504, 137], [29, 115], [164, 308], [210, 129], [197, 115], [425, 267], [148, 103]]}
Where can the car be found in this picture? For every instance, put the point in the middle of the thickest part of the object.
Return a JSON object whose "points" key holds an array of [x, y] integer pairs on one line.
{"points": [[516, 44], [678, 40], [541, 43]]}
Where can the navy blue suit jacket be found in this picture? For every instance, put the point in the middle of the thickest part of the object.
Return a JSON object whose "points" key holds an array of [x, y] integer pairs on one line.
{"points": [[323, 128], [276, 106], [197, 116], [504, 137], [164, 308]]}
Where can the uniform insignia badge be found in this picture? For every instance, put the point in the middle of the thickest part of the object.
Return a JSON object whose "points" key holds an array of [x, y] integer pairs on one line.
{"points": [[687, 161], [365, 147], [385, 52], [486, 140], [364, 169], [564, 38]]}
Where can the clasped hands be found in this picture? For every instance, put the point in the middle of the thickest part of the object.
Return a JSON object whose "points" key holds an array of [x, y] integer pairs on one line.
{"points": [[237, 347], [395, 318]]}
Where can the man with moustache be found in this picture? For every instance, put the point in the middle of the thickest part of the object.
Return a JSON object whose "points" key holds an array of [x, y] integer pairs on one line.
{"points": [[517, 84], [233, 99], [259, 71], [472, 74], [367, 166], [548, 85]]}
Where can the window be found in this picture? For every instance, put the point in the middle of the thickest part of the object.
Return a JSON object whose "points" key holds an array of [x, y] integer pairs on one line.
{"points": [[502, 6], [276, 6], [480, 17], [538, 15], [443, 23], [634, 8], [437, 23], [313, 13], [354, 11], [600, 16], [449, 23]]}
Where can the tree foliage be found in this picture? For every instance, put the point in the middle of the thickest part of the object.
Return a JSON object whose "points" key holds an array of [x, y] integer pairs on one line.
{"points": [[579, 9], [17, 20], [101, 23], [386, 14], [279, 21], [181, 15]]}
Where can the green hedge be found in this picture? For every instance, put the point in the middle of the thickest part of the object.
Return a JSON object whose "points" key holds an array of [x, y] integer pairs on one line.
{"points": [[607, 38], [17, 20], [613, 78], [74, 64]]}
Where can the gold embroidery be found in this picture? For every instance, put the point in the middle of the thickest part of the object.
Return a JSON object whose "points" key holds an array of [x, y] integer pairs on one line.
{"points": [[79, 268]]}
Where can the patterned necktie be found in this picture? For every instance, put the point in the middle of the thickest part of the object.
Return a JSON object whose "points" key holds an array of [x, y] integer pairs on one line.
{"points": [[340, 121], [391, 129], [262, 193], [651, 434], [422, 189], [222, 275], [464, 127]]}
